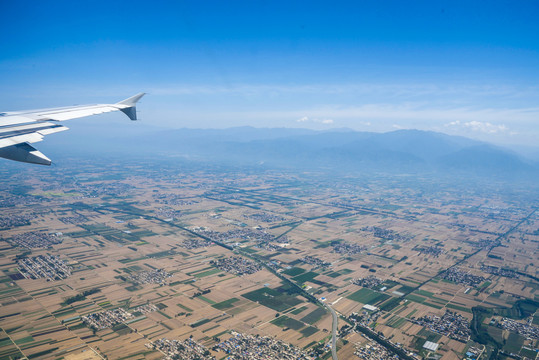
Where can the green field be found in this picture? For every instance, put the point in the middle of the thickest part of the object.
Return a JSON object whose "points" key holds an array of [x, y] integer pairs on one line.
{"points": [[285, 321], [272, 298], [367, 296], [199, 323], [396, 322], [424, 293], [333, 274], [295, 271], [416, 298], [314, 316], [206, 273], [298, 310], [209, 301], [405, 289], [457, 307], [227, 304], [185, 307], [308, 331], [529, 353], [309, 276]]}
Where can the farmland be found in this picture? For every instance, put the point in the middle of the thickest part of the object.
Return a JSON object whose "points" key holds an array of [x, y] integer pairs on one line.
{"points": [[258, 253]]}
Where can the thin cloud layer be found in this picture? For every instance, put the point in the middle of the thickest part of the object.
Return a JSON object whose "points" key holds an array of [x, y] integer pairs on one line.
{"points": [[305, 119], [479, 126]]}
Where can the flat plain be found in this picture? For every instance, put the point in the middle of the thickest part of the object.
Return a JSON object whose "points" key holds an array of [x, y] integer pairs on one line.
{"points": [[213, 251]]}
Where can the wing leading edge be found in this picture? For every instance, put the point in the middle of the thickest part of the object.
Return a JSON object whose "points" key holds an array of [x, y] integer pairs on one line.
{"points": [[19, 129]]}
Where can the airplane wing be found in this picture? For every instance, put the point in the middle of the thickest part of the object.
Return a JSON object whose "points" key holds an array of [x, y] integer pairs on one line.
{"points": [[19, 129]]}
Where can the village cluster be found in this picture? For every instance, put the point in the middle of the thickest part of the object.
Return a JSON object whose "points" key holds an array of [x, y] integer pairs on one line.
{"points": [[385, 233], [345, 248], [172, 199], [109, 318], [370, 282], [74, 219], [13, 220], [244, 346], [459, 276], [47, 266], [374, 351], [527, 330], [315, 262], [236, 265], [264, 217], [157, 276], [196, 243], [187, 349], [432, 250], [167, 213], [36, 239], [494, 270], [450, 324]]}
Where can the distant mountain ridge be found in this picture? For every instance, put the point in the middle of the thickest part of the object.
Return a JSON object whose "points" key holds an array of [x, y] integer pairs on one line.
{"points": [[402, 150], [338, 149]]}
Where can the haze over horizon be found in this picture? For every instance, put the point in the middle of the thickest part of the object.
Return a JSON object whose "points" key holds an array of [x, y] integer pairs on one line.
{"points": [[452, 67], [305, 180]]}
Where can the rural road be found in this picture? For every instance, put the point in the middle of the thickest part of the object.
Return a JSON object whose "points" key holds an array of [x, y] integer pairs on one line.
{"points": [[333, 333]]}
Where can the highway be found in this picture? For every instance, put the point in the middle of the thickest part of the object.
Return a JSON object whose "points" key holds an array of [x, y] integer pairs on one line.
{"points": [[333, 333], [259, 261]]}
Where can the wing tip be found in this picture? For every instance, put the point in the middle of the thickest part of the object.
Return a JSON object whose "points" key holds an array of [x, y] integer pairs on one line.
{"points": [[132, 101]]}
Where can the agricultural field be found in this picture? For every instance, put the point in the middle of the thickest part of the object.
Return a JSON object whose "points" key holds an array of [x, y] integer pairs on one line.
{"points": [[149, 249]]}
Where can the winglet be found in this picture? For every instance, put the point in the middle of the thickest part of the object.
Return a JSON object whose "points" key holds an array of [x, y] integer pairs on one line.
{"points": [[132, 101], [128, 106]]}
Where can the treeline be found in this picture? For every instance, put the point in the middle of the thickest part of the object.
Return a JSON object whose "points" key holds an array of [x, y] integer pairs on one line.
{"points": [[81, 296]]}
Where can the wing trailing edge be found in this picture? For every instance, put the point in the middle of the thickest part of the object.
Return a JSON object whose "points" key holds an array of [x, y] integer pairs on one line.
{"points": [[24, 152], [19, 129]]}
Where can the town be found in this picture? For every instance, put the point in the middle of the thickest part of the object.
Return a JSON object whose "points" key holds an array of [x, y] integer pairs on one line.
{"points": [[451, 324], [14, 220], [374, 351], [370, 282], [36, 239], [50, 267], [494, 270], [187, 349], [527, 330], [315, 262], [109, 318], [236, 265], [459, 276], [244, 346], [345, 248], [157, 276]]}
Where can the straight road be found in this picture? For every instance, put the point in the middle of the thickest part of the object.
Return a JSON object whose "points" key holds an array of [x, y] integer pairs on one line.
{"points": [[333, 333]]}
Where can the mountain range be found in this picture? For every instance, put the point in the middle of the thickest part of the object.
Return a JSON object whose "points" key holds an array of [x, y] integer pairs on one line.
{"points": [[334, 150]]}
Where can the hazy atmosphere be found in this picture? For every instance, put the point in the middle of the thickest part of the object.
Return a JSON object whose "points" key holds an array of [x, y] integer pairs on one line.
{"points": [[449, 66], [269, 180]]}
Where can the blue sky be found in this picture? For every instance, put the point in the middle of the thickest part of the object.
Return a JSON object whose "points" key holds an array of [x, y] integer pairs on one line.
{"points": [[460, 67]]}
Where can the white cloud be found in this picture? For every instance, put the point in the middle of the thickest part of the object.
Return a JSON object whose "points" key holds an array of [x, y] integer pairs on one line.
{"points": [[305, 119], [479, 126], [400, 90], [485, 127]]}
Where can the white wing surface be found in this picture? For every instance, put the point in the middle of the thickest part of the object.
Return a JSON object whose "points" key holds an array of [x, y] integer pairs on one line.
{"points": [[19, 129]]}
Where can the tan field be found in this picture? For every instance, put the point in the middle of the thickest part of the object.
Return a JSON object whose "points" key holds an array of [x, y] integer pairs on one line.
{"points": [[111, 230]]}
